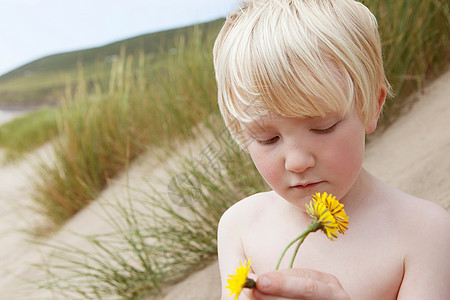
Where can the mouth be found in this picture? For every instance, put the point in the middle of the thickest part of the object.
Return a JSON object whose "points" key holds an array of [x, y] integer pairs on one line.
{"points": [[305, 186]]}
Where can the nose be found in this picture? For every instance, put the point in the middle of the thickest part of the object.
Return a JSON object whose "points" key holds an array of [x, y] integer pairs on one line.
{"points": [[298, 159]]}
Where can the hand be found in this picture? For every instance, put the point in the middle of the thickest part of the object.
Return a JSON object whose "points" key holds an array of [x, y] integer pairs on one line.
{"points": [[298, 284]]}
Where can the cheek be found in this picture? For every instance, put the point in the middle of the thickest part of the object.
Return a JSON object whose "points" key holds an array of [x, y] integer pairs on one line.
{"points": [[345, 159], [350, 157], [266, 166]]}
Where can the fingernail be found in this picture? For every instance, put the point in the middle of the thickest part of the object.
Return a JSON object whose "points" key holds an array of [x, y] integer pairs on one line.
{"points": [[265, 281]]}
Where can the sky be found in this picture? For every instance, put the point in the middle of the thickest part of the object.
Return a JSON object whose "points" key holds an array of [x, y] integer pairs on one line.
{"points": [[31, 29]]}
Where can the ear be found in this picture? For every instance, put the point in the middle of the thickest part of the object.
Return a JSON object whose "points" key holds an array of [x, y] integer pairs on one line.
{"points": [[372, 124]]}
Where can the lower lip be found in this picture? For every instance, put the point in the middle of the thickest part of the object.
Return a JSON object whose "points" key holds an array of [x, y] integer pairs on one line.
{"points": [[306, 187]]}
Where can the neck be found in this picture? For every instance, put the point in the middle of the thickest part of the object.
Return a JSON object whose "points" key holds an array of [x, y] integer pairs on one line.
{"points": [[360, 193]]}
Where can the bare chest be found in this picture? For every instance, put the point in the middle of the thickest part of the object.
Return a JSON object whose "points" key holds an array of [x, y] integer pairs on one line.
{"points": [[365, 268]]}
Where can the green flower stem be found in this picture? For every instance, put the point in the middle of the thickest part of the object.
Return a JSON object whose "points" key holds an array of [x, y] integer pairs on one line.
{"points": [[298, 246], [312, 227], [288, 246]]}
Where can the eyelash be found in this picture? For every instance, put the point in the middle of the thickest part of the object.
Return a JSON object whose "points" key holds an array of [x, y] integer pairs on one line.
{"points": [[269, 141], [319, 131], [326, 130]]}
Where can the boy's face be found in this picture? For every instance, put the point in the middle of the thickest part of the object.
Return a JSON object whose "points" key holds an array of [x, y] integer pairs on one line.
{"points": [[301, 156]]}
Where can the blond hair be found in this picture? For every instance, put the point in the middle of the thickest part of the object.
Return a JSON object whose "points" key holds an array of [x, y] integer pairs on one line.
{"points": [[301, 58]]}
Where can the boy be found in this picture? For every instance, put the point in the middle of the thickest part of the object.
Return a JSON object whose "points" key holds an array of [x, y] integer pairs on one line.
{"points": [[300, 83]]}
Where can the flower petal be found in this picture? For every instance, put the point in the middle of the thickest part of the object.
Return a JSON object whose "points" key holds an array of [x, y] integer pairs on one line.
{"points": [[236, 282], [329, 212]]}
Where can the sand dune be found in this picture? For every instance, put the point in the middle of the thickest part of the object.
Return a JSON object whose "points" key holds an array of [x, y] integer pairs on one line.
{"points": [[412, 154]]}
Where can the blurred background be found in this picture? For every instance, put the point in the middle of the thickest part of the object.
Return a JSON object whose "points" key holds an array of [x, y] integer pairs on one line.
{"points": [[31, 29], [90, 91]]}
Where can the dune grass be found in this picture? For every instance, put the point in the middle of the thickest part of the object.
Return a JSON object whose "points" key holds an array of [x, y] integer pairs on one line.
{"points": [[145, 104], [157, 239], [139, 106], [28, 132], [415, 44]]}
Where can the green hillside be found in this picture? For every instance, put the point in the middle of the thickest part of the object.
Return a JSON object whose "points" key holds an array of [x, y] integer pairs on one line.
{"points": [[43, 81]]}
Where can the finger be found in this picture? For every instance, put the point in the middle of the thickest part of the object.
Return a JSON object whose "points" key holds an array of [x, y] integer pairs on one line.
{"points": [[257, 295], [300, 284], [308, 273], [292, 287], [248, 293]]}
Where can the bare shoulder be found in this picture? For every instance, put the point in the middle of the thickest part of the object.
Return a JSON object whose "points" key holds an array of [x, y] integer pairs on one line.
{"points": [[247, 209], [238, 218], [421, 228], [413, 221], [405, 211], [425, 224], [419, 213]]}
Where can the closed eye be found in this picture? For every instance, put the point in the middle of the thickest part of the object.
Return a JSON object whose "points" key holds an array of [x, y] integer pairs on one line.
{"points": [[268, 141], [326, 130]]}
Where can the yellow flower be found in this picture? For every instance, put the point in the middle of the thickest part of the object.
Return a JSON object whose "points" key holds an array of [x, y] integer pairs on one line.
{"points": [[329, 213], [237, 282]]}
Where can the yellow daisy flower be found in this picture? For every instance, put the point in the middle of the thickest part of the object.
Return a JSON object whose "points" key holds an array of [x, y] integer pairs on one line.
{"points": [[329, 213], [237, 282]]}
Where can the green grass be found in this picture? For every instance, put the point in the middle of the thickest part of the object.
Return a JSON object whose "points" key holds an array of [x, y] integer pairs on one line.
{"points": [[415, 43], [28, 132], [101, 131]]}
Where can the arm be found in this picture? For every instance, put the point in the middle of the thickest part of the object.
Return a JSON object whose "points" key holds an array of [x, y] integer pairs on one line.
{"points": [[230, 249], [427, 264]]}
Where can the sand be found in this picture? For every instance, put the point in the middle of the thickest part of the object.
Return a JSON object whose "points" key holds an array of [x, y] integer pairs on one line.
{"points": [[412, 154]]}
